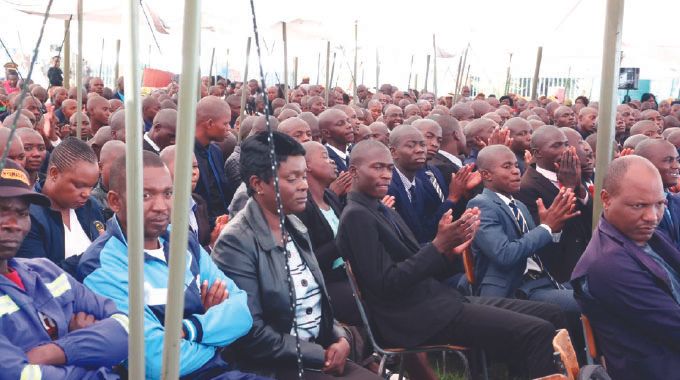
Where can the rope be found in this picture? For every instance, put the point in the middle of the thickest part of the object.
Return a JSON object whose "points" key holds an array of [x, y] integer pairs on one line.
{"points": [[279, 207], [24, 91]]}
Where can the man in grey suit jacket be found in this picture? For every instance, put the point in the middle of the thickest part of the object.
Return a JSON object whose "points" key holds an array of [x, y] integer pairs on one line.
{"points": [[508, 238]]}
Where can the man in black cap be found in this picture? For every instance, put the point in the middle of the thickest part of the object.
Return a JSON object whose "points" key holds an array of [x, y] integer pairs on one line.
{"points": [[53, 327]]}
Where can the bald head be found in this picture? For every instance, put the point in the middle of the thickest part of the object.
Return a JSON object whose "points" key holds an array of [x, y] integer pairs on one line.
{"points": [[480, 107], [633, 141], [296, 128], [328, 117], [574, 137], [401, 132], [625, 170], [426, 125], [366, 149], [211, 108], [489, 157], [117, 125], [646, 127], [110, 151], [312, 148], [22, 121], [544, 135]]}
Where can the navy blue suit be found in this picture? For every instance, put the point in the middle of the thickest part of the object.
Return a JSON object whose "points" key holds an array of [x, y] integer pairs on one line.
{"points": [[672, 230], [421, 216], [340, 163], [213, 185], [500, 249], [627, 297]]}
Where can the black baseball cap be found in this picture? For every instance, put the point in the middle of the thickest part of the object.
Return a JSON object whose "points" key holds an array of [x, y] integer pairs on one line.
{"points": [[14, 183]]}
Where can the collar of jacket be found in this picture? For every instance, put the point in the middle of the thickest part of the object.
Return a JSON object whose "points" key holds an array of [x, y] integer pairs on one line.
{"points": [[364, 199], [252, 213]]}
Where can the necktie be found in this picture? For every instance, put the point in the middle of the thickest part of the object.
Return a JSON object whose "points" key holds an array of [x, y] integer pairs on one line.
{"points": [[525, 228], [435, 184], [386, 213], [519, 218], [412, 192]]}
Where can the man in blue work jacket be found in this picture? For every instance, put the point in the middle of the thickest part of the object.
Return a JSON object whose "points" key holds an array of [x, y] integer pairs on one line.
{"points": [[51, 326], [215, 309]]}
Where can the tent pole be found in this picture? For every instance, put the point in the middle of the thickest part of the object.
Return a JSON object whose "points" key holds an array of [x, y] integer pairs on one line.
{"points": [[186, 129], [244, 88], [285, 62], [427, 72], [434, 64], [537, 69], [79, 71], [67, 55], [356, 52], [133, 167], [328, 65], [608, 99]]}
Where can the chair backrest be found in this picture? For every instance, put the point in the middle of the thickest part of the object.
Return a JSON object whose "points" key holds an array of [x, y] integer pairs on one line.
{"points": [[469, 265], [562, 345], [591, 346], [360, 305]]}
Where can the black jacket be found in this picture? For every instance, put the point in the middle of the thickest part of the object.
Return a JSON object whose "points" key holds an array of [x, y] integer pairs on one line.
{"points": [[321, 235], [248, 254], [400, 281], [559, 258], [445, 166]]}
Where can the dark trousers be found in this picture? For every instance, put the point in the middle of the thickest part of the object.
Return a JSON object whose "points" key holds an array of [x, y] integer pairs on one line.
{"points": [[342, 299], [521, 331], [352, 372]]}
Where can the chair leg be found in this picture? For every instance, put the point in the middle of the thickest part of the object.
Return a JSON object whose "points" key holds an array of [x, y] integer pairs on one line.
{"points": [[381, 367], [466, 365], [443, 362], [485, 369], [401, 367]]}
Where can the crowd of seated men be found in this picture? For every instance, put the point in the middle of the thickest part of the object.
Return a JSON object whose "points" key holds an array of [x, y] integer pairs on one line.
{"points": [[397, 184]]}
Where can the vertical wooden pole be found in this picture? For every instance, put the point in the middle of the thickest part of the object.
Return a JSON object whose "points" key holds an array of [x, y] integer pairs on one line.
{"points": [[133, 167], [434, 64], [67, 55], [285, 62], [79, 71], [295, 72], [212, 63], [537, 69], [101, 59], [410, 73], [356, 53], [377, 71], [328, 73], [244, 88], [427, 72], [116, 68], [608, 99]]}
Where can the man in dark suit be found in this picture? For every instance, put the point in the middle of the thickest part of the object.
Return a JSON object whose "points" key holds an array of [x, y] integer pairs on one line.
{"points": [[401, 281], [338, 133], [664, 157], [452, 146], [212, 122], [415, 197], [520, 133], [557, 166], [162, 132], [628, 280]]}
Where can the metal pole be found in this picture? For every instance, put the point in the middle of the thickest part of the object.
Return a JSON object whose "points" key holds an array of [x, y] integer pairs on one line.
{"points": [[101, 60], [356, 52], [328, 66], [318, 68], [467, 75], [458, 77], [467, 49], [285, 62], [295, 72], [179, 235], [67, 55], [116, 69], [133, 167], [79, 71], [608, 100], [410, 73], [415, 84], [507, 76], [427, 72], [537, 69], [332, 70], [434, 65], [244, 88], [377, 71], [212, 62]]}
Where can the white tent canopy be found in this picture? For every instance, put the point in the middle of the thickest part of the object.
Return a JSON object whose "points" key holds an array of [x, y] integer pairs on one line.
{"points": [[570, 31]]}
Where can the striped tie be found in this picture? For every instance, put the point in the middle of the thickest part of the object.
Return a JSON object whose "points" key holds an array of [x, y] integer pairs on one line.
{"points": [[435, 184], [519, 218]]}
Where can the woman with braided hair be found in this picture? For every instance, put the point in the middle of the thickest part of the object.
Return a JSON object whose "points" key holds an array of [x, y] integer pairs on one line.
{"points": [[64, 230]]}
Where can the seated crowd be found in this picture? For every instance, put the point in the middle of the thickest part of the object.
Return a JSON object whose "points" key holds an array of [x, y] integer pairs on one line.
{"points": [[399, 185]]}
